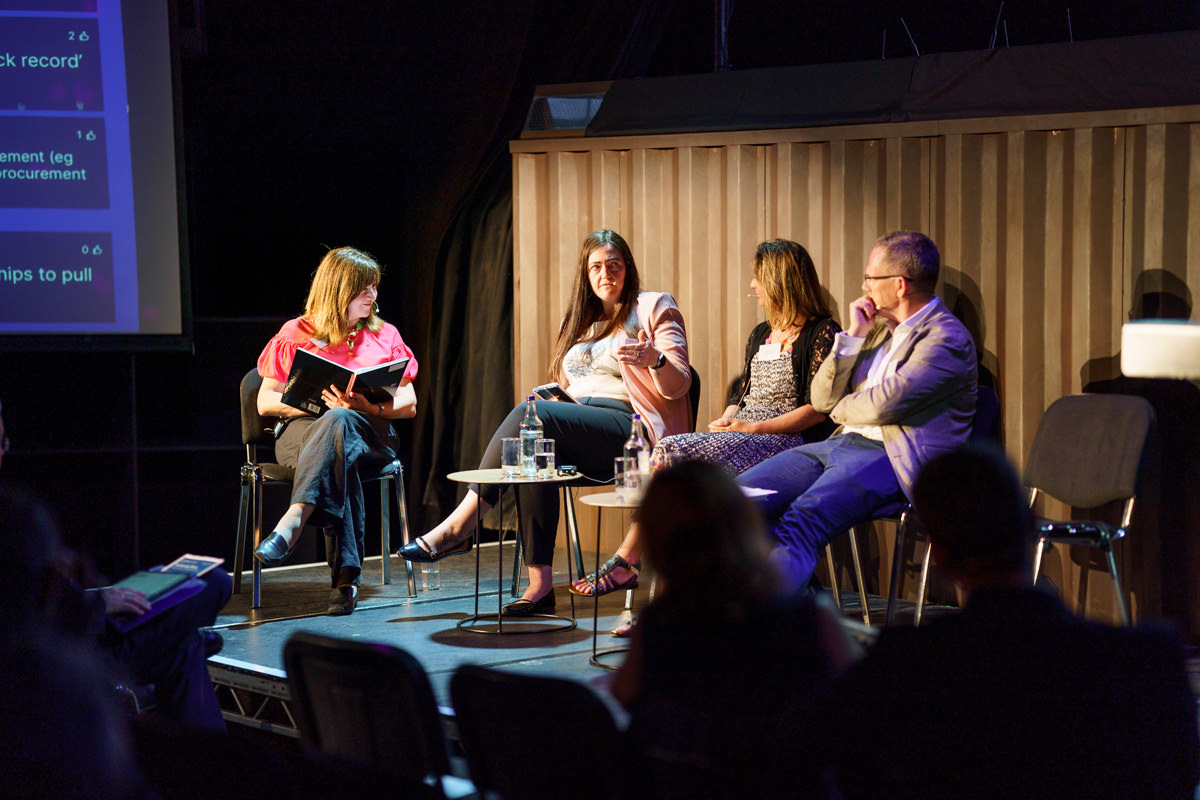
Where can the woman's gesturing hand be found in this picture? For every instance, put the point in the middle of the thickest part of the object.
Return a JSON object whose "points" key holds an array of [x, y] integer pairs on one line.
{"points": [[640, 353]]}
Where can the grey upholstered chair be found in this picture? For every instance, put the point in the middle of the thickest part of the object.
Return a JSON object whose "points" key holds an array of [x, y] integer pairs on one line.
{"points": [[1089, 451]]}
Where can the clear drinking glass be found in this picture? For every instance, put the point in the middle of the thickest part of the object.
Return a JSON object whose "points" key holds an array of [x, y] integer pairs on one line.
{"points": [[634, 481], [510, 456], [628, 481], [543, 453], [431, 579]]}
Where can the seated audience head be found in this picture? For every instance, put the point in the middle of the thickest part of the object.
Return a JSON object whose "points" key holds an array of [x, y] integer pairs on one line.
{"points": [[342, 276], [705, 538], [974, 509], [791, 291], [913, 255]]}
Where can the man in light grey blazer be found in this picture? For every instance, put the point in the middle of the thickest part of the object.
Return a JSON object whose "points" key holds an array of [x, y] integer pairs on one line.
{"points": [[901, 384]]}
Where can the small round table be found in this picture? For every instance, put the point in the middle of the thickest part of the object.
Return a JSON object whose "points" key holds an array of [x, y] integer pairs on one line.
{"points": [[601, 501], [496, 477]]}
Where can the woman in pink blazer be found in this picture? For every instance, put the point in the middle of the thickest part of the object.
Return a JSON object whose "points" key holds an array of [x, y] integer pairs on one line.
{"points": [[619, 351]]}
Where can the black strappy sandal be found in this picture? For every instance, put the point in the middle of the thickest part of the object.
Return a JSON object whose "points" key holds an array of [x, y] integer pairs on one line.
{"points": [[602, 583]]}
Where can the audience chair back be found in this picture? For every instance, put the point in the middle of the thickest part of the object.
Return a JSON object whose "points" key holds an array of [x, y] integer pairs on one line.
{"points": [[531, 737], [1090, 450], [259, 470], [368, 702]]}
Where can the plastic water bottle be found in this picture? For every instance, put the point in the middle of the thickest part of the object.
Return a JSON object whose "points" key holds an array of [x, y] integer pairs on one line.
{"points": [[531, 431], [636, 446]]}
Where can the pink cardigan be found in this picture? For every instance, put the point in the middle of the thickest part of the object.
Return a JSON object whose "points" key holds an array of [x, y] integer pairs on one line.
{"points": [[660, 395]]}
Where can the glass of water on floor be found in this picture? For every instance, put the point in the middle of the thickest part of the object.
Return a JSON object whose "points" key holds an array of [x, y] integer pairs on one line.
{"points": [[431, 578]]}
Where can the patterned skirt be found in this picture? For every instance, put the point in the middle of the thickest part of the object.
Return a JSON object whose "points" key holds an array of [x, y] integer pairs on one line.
{"points": [[734, 451]]}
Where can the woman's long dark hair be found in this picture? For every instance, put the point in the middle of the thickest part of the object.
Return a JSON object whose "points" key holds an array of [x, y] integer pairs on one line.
{"points": [[586, 308]]}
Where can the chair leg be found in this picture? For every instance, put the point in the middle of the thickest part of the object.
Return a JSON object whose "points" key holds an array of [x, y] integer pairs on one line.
{"points": [[257, 503], [1037, 558], [922, 586], [833, 578], [897, 568], [1120, 596], [405, 533], [858, 577], [243, 522], [385, 531]]}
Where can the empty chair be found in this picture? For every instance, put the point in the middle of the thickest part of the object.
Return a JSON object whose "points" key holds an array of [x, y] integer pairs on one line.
{"points": [[1089, 450], [530, 738], [369, 702]]}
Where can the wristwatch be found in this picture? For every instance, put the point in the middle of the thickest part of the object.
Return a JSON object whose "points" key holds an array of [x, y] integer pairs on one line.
{"points": [[662, 359]]}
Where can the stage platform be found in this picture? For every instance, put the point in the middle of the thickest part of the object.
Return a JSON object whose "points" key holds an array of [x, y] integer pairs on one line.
{"points": [[252, 684]]}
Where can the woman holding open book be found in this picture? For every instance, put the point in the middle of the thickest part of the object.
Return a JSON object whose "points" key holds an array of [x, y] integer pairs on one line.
{"points": [[619, 351], [341, 323]]}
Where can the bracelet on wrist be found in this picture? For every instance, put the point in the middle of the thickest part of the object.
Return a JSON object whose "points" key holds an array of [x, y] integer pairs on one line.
{"points": [[662, 360]]}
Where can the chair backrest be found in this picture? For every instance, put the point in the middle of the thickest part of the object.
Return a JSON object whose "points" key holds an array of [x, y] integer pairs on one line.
{"points": [[370, 702], [986, 425], [531, 737], [255, 427], [1089, 449], [694, 397]]}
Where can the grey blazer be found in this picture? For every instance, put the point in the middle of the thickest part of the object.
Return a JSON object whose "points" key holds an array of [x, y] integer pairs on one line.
{"points": [[925, 407]]}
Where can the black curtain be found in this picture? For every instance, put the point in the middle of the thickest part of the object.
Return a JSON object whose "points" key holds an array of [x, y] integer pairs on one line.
{"points": [[467, 385]]}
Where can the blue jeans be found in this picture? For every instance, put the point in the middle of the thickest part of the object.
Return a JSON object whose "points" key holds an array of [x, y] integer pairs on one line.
{"points": [[820, 490]]}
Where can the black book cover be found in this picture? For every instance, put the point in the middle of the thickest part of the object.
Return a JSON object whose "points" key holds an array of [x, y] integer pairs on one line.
{"points": [[312, 373]]}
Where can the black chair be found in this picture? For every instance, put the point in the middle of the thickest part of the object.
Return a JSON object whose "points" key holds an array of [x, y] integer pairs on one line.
{"points": [[1090, 450], [533, 737], [258, 472], [369, 702]]}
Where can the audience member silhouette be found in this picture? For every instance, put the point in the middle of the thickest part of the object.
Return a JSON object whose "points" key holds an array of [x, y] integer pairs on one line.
{"points": [[1014, 696], [63, 735], [723, 665], [168, 651]]}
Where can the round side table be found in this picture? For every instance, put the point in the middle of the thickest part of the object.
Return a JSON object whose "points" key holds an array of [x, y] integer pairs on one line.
{"points": [[601, 501], [494, 623]]}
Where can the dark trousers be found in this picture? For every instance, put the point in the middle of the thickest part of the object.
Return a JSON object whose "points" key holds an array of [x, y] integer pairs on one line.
{"points": [[326, 452], [588, 435], [820, 490], [167, 652]]}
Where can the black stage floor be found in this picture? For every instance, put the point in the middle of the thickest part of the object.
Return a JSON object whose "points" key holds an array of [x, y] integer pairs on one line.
{"points": [[249, 672]]}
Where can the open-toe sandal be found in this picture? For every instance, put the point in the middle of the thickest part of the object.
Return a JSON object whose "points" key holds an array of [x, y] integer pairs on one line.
{"points": [[602, 581]]}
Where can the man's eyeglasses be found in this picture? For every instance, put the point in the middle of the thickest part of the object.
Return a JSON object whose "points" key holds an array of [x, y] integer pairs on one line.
{"points": [[881, 277]]}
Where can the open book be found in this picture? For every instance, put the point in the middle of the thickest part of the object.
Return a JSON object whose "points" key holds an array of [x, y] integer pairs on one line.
{"points": [[312, 373]]}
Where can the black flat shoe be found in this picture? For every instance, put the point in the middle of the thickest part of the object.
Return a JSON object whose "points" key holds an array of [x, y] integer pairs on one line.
{"points": [[527, 608], [419, 550], [343, 600], [273, 550]]}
